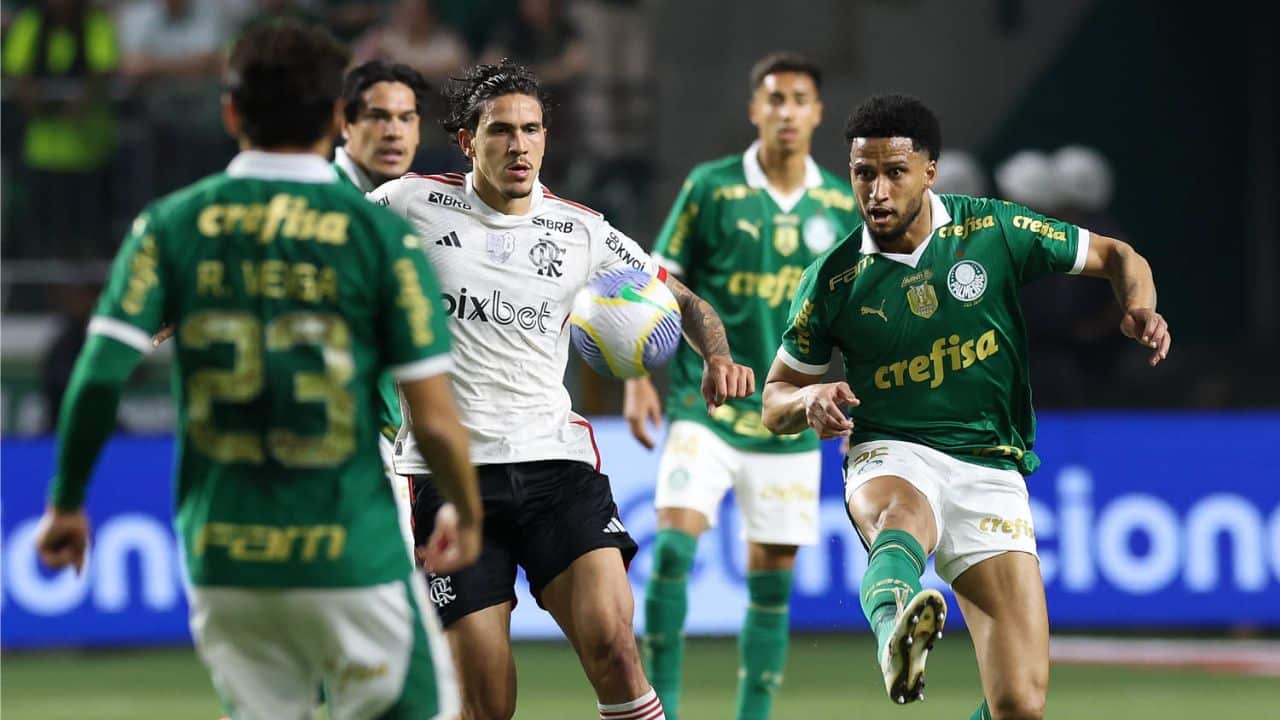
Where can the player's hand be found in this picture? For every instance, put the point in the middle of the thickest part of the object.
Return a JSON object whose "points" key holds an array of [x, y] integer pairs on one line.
{"points": [[824, 408], [164, 333], [62, 538], [1149, 328], [453, 545], [640, 403], [722, 379]]}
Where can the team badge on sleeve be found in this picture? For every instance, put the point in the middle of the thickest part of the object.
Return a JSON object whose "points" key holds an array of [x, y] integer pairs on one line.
{"points": [[967, 280]]}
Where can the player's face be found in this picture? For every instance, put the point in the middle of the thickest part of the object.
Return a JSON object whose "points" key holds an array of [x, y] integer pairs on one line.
{"points": [[785, 108], [507, 147], [384, 136], [889, 179]]}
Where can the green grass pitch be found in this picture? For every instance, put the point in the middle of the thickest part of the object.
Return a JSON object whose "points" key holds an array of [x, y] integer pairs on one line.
{"points": [[828, 677]]}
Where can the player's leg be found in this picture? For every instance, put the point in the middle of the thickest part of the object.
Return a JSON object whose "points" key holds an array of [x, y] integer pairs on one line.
{"points": [[1003, 603], [777, 495], [475, 603], [575, 551], [247, 642], [692, 480], [894, 499], [989, 557]]}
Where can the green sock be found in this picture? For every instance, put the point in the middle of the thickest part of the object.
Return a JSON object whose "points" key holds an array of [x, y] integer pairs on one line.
{"points": [[666, 601], [894, 566], [762, 646], [982, 713]]}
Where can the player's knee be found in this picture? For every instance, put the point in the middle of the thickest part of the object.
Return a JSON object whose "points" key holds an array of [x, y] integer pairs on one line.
{"points": [[673, 553], [1022, 704], [612, 651]]}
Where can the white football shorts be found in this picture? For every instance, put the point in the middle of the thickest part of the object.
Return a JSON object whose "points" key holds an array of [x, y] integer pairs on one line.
{"points": [[777, 493], [980, 511]]}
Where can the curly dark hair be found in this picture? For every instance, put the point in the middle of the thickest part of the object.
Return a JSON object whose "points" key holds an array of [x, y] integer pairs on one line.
{"points": [[785, 62], [284, 78], [364, 76], [464, 96], [895, 115]]}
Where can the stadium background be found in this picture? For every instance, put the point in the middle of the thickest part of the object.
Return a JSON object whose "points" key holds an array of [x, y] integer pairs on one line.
{"points": [[1158, 508]]}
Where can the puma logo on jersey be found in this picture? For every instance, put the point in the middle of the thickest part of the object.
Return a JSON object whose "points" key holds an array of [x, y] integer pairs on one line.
{"points": [[752, 229], [875, 311]]}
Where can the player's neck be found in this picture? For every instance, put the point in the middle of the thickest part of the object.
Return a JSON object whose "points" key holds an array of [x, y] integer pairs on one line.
{"points": [[321, 147], [494, 198], [783, 170]]}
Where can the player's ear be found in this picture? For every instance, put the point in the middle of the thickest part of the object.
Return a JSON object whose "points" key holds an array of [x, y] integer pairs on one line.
{"points": [[930, 173], [466, 141], [230, 116]]}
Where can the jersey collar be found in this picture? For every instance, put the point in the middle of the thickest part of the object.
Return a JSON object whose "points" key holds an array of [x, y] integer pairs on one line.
{"points": [[939, 216], [342, 159], [756, 178], [292, 167], [501, 218]]}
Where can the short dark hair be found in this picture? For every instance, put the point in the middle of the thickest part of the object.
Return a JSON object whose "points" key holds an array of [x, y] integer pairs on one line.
{"points": [[284, 77], [785, 62], [362, 77], [895, 115], [464, 95]]}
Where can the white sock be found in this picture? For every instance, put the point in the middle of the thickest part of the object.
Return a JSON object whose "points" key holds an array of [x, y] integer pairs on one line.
{"points": [[645, 707]]}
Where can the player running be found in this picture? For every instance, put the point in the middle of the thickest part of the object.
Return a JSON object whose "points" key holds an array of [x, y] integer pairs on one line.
{"points": [[740, 235], [382, 111], [290, 294], [512, 256], [923, 305]]}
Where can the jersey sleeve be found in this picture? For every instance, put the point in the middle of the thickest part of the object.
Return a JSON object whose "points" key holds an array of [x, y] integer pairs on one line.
{"points": [[131, 307], [415, 336], [1041, 245], [806, 345], [677, 241], [611, 249]]}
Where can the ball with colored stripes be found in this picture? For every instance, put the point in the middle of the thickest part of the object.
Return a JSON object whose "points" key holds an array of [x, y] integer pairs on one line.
{"points": [[625, 323]]}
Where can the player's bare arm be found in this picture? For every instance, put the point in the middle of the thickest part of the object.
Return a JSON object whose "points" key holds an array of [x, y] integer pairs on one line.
{"points": [[1135, 289], [722, 378], [794, 400], [641, 404], [455, 543]]}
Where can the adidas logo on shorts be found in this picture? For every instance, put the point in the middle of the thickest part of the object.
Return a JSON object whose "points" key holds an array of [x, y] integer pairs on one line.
{"points": [[614, 526]]}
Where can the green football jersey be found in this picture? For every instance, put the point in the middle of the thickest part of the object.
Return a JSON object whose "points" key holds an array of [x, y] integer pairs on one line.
{"points": [[389, 417], [742, 247], [290, 294], [934, 342]]}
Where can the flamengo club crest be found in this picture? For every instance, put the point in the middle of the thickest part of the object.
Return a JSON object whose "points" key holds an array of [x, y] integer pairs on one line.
{"points": [[923, 300], [967, 280]]}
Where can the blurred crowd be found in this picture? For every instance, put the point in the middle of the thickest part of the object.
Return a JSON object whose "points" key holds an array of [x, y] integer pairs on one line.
{"points": [[109, 104]]}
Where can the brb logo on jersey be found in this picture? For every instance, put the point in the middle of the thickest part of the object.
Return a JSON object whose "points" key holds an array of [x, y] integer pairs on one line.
{"points": [[493, 309], [547, 257]]}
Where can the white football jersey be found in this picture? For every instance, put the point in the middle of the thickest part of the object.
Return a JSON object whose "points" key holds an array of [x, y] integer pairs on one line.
{"points": [[508, 284]]}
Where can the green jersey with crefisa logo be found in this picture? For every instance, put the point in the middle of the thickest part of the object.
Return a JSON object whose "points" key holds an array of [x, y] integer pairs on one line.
{"points": [[743, 247], [934, 342], [291, 293]]}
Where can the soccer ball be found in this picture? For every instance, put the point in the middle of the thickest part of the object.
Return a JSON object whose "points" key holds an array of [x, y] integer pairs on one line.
{"points": [[625, 323]]}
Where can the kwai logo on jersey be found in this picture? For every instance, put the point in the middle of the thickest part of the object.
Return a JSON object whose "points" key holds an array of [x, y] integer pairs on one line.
{"points": [[500, 246], [493, 309], [819, 234], [614, 243], [547, 257], [967, 280]]}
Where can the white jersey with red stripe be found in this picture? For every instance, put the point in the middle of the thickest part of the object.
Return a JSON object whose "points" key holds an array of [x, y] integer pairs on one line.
{"points": [[508, 284]]}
